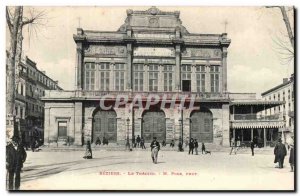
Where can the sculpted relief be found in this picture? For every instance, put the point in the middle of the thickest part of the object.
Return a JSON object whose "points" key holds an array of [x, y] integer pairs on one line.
{"points": [[105, 50], [202, 52]]}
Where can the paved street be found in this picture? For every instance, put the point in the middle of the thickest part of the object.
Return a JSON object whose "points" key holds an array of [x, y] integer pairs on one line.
{"points": [[135, 170]]}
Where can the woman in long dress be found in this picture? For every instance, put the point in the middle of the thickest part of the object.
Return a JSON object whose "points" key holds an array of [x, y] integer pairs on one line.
{"points": [[88, 151]]}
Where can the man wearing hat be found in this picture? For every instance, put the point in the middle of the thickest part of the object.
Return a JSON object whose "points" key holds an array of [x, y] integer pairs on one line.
{"points": [[280, 153], [15, 157], [291, 159], [155, 147]]}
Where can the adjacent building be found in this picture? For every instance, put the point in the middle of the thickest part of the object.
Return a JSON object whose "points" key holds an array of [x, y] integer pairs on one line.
{"points": [[153, 53], [31, 84], [282, 92]]}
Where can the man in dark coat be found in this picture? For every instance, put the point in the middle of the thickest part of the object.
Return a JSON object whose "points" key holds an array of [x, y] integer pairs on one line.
{"points": [[203, 148], [143, 143], [180, 148], [291, 159], [191, 146], [138, 141], [280, 153], [155, 147], [98, 141], [15, 157], [252, 147], [196, 145]]}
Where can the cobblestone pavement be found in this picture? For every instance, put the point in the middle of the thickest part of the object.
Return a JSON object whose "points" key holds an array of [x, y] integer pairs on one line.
{"points": [[120, 170]]}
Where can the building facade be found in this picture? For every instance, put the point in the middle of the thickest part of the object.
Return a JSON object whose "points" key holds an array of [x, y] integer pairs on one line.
{"points": [[31, 84], [283, 92], [152, 53]]}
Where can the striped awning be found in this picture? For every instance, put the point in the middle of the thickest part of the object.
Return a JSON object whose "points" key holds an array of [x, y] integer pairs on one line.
{"points": [[256, 124]]}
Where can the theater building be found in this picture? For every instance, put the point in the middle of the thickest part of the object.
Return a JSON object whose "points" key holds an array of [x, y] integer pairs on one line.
{"points": [[151, 53]]}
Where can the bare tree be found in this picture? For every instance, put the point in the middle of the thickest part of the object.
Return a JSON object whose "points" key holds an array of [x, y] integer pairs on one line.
{"points": [[285, 49], [16, 22]]}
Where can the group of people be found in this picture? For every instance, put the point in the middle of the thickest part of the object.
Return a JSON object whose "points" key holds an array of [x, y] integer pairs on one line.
{"points": [[193, 145], [280, 152], [104, 141], [138, 142], [31, 139]]}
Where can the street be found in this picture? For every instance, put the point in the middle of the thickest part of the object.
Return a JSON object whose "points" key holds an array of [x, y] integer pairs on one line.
{"points": [[121, 170]]}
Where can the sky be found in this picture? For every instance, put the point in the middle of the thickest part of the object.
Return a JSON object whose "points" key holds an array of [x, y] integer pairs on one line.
{"points": [[253, 61]]}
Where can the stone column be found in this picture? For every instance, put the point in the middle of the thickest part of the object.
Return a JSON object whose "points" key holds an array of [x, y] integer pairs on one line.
{"points": [[177, 68], [78, 123], [265, 137], [193, 79], [79, 61], [146, 77], [225, 125], [252, 134], [46, 125], [207, 77], [160, 78], [224, 70], [112, 78], [129, 67]]}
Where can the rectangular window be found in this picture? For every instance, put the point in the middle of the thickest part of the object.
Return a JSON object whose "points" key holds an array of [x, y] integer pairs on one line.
{"points": [[153, 77], [168, 77], [138, 77], [214, 78], [186, 71], [21, 113], [200, 78], [104, 76], [119, 77], [62, 129], [89, 76]]}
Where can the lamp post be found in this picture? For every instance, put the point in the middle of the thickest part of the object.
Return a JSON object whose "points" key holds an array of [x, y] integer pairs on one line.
{"points": [[127, 137], [181, 123]]}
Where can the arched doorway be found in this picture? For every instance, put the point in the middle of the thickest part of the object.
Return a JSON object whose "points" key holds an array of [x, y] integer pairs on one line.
{"points": [[105, 125], [154, 125], [202, 125]]}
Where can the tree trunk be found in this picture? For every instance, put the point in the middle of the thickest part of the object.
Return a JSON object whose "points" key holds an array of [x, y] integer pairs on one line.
{"points": [[19, 49], [287, 24], [10, 77]]}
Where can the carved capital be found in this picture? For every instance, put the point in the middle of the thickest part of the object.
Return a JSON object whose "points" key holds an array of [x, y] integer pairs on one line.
{"points": [[224, 54]]}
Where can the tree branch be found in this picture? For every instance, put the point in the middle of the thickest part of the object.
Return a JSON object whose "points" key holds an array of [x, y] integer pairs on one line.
{"points": [[8, 20]]}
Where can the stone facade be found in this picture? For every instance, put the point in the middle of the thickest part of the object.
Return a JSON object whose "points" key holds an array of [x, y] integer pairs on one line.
{"points": [[152, 52]]}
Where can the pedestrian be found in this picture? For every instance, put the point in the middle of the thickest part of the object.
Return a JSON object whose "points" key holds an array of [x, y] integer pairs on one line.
{"points": [[280, 153], [172, 144], [191, 146], [143, 143], [187, 142], [291, 159], [133, 142], [196, 146], [238, 145], [203, 148], [98, 141], [252, 147], [88, 151], [163, 144], [105, 141], [138, 141], [127, 145], [155, 147], [233, 146], [180, 149], [15, 157]]}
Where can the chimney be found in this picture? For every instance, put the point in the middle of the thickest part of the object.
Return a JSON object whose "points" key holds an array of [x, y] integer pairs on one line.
{"points": [[285, 80]]}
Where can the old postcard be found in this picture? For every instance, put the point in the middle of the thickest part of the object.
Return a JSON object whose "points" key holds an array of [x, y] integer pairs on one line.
{"points": [[150, 98]]}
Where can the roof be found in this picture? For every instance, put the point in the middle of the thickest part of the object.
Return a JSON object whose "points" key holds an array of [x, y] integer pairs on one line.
{"points": [[276, 87], [256, 102]]}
